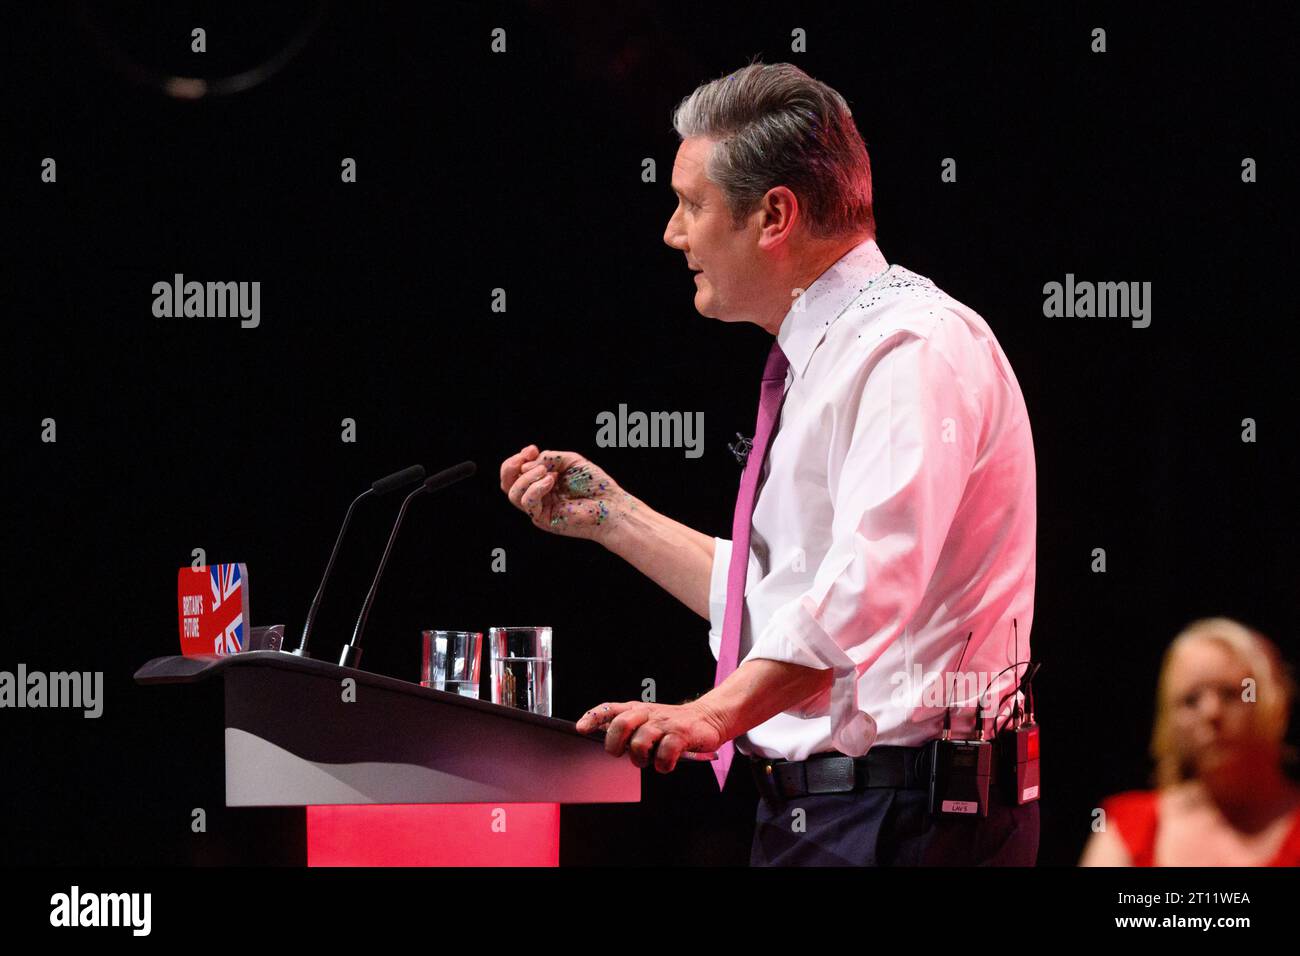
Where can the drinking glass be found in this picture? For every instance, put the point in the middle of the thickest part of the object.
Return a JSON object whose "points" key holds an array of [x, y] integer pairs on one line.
{"points": [[521, 667], [451, 661]]}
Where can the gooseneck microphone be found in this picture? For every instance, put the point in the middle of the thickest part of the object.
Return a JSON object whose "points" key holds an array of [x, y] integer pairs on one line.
{"points": [[398, 479], [351, 656]]}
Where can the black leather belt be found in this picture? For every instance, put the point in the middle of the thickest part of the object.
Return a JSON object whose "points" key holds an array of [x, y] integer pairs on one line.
{"points": [[833, 772]]}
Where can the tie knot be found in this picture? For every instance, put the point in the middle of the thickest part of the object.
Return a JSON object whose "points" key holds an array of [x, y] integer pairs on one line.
{"points": [[777, 364]]}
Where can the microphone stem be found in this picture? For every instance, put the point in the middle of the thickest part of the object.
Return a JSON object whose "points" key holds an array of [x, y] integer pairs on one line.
{"points": [[329, 568], [351, 656]]}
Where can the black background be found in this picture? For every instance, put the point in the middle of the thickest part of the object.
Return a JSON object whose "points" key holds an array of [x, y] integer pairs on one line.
{"points": [[522, 171]]}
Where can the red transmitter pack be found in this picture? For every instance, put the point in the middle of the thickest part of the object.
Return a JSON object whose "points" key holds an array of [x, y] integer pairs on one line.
{"points": [[1016, 740], [1018, 762]]}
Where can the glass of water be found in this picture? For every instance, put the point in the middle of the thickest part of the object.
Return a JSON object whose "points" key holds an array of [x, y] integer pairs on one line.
{"points": [[451, 661], [521, 667]]}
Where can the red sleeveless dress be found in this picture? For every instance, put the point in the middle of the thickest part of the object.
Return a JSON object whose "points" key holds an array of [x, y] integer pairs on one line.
{"points": [[1135, 813]]}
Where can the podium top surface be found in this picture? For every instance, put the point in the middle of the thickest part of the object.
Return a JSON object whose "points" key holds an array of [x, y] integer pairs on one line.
{"points": [[176, 669]]}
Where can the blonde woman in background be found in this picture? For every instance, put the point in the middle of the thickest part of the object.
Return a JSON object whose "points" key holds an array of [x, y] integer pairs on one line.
{"points": [[1223, 701]]}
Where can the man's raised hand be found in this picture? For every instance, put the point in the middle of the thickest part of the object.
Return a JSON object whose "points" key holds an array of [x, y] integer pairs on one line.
{"points": [[562, 492]]}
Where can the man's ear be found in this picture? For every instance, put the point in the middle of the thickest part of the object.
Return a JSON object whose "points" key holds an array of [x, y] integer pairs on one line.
{"points": [[780, 211]]}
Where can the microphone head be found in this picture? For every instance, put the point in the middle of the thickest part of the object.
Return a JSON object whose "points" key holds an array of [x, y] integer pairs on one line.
{"points": [[398, 479], [449, 476]]}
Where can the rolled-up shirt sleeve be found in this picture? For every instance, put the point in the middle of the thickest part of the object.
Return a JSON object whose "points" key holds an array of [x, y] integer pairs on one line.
{"points": [[904, 442]]}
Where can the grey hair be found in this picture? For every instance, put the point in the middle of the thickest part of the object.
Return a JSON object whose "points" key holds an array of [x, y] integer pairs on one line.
{"points": [[774, 125]]}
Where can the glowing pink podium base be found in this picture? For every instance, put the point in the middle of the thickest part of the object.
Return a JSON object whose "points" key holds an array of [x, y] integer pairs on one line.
{"points": [[457, 834]]}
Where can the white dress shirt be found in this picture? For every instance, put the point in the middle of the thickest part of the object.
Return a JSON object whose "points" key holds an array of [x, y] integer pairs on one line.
{"points": [[895, 515]]}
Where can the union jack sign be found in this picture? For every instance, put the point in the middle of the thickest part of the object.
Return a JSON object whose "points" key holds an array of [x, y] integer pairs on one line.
{"points": [[213, 605]]}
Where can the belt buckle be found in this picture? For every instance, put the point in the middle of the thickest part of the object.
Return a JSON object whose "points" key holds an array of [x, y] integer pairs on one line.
{"points": [[763, 774], [780, 779], [788, 778]]}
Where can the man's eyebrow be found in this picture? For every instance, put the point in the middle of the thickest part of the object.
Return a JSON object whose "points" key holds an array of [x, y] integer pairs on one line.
{"points": [[682, 193]]}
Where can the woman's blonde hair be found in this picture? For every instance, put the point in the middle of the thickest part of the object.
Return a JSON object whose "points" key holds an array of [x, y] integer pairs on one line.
{"points": [[1273, 689]]}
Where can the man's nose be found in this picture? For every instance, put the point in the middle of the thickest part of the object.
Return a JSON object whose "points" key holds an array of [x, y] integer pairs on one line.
{"points": [[672, 235]]}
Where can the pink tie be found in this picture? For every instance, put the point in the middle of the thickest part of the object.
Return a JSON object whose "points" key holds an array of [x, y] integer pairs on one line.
{"points": [[769, 407]]}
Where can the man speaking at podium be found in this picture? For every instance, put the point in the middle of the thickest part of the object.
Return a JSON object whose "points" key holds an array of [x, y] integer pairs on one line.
{"points": [[883, 538]]}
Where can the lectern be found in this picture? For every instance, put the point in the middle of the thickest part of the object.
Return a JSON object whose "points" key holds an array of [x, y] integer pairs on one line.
{"points": [[394, 773]]}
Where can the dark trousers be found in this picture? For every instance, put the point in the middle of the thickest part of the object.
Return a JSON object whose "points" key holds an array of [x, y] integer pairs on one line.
{"points": [[886, 827]]}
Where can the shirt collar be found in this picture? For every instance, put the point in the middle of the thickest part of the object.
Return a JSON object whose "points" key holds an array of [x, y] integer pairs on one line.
{"points": [[825, 300]]}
